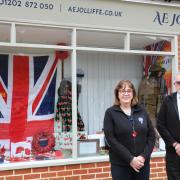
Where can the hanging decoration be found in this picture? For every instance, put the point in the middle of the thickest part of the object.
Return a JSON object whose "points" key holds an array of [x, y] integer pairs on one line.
{"points": [[62, 55], [64, 108], [2, 152]]}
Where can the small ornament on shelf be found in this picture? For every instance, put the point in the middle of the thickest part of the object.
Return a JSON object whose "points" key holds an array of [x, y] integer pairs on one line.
{"points": [[2, 152]]}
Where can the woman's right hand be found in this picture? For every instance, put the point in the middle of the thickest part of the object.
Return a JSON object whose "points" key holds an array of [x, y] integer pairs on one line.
{"points": [[136, 164], [177, 148]]}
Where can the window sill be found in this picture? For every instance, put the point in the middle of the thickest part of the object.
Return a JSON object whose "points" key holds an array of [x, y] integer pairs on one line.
{"points": [[61, 162]]}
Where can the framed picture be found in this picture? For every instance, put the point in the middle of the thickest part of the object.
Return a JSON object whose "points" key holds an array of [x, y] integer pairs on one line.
{"points": [[88, 147]]}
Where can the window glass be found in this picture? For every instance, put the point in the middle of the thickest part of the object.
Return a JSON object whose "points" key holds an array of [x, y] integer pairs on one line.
{"points": [[100, 39], [150, 43], [5, 32], [42, 35]]}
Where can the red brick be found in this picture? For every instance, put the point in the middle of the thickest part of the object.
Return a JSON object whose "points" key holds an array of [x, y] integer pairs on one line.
{"points": [[14, 178], [97, 170], [153, 175], [56, 168], [64, 173], [32, 176], [157, 159], [106, 169], [157, 179], [75, 166], [1, 178], [89, 165], [72, 178], [153, 165], [88, 176], [80, 171], [102, 164], [42, 169], [22, 171], [101, 175], [59, 178], [157, 170], [50, 174], [162, 174], [4, 173], [161, 164]]}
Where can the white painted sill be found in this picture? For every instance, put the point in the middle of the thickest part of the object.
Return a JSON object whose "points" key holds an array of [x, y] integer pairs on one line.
{"points": [[61, 162]]}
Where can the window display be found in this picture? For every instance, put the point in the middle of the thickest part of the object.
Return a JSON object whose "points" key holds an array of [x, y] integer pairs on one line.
{"points": [[64, 108], [28, 85], [156, 83]]}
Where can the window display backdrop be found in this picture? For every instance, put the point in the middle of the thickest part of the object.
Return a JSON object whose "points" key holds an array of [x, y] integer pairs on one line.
{"points": [[157, 80], [156, 83], [102, 71]]}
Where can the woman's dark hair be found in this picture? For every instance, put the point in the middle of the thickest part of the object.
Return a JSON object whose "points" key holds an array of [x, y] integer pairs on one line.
{"points": [[122, 85]]}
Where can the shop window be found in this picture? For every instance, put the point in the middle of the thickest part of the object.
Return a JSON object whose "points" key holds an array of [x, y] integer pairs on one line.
{"points": [[5, 32], [100, 39], [36, 89], [42, 35], [150, 43]]}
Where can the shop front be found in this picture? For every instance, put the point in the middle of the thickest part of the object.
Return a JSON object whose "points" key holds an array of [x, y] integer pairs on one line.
{"points": [[59, 64]]}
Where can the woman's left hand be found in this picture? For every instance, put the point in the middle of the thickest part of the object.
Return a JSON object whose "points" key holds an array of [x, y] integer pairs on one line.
{"points": [[137, 163], [141, 159]]}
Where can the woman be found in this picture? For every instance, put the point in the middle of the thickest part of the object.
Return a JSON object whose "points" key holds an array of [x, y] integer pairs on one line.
{"points": [[129, 134]]}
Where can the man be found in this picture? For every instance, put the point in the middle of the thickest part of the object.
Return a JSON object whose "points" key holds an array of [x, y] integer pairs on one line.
{"points": [[168, 125]]}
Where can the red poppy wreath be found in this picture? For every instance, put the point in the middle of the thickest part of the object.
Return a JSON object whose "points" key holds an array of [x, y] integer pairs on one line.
{"points": [[43, 142]]}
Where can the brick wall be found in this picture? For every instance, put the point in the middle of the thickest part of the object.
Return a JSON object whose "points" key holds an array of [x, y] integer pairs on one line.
{"points": [[78, 172], [158, 169]]}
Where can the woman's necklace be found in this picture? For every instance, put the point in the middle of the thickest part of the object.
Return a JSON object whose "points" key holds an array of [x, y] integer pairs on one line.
{"points": [[127, 111]]}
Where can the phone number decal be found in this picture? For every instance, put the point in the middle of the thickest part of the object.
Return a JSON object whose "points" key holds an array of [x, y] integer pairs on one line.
{"points": [[27, 4]]}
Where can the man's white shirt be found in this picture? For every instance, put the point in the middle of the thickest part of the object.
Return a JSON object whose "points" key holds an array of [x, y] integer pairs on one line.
{"points": [[178, 103]]}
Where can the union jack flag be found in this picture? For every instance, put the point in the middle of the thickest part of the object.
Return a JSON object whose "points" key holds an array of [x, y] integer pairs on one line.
{"points": [[27, 95]]}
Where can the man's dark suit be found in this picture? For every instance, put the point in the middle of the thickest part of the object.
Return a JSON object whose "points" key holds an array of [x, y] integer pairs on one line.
{"points": [[168, 125]]}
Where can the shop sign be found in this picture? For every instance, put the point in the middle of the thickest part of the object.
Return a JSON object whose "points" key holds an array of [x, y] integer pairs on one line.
{"points": [[94, 13]]}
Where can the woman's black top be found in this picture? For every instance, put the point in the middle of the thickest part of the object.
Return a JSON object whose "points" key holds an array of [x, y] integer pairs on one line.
{"points": [[128, 136]]}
